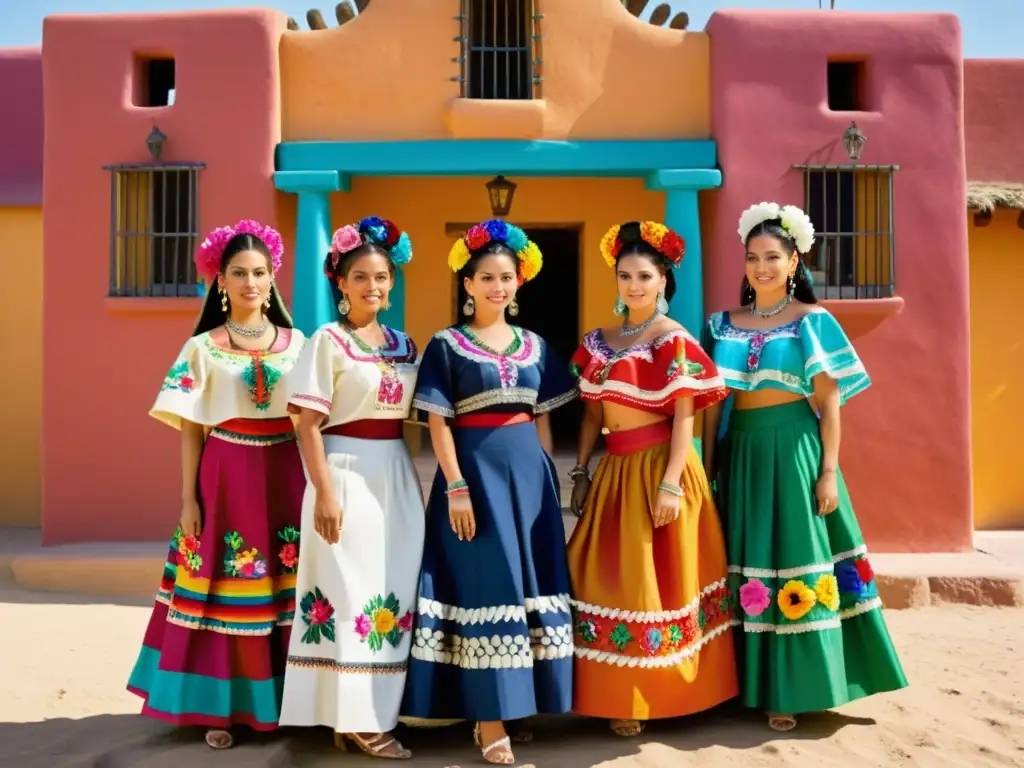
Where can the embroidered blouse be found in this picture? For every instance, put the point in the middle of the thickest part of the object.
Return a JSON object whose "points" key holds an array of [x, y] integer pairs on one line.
{"points": [[649, 377], [459, 375], [209, 384], [787, 357], [341, 378]]}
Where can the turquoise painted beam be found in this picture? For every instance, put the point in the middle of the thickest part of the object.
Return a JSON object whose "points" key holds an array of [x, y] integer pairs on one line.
{"points": [[483, 157], [311, 181], [692, 178]]}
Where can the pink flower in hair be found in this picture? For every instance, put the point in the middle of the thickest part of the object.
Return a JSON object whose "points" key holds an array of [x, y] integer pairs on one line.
{"points": [[346, 239], [211, 250]]}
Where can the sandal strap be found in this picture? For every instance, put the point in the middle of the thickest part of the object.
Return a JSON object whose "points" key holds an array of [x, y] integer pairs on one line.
{"points": [[503, 743], [375, 743]]}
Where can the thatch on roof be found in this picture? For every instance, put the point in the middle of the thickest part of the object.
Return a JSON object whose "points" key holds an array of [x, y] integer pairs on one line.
{"points": [[986, 195]]}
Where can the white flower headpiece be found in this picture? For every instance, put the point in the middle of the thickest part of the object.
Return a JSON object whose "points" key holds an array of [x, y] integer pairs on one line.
{"points": [[794, 221]]}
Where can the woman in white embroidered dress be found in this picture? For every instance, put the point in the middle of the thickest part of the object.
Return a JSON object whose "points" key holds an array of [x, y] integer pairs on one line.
{"points": [[353, 388]]}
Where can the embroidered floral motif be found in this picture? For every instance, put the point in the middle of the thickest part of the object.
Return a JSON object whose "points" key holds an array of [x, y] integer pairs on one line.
{"points": [[523, 352], [588, 630], [755, 597], [796, 599], [864, 570], [179, 377], [715, 606], [187, 548], [390, 390], [261, 378], [621, 637], [653, 639], [380, 622], [826, 590], [757, 342], [240, 562], [318, 615], [289, 552]]}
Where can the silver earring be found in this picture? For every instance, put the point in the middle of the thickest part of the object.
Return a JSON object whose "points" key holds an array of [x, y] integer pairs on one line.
{"points": [[620, 308], [513, 308], [792, 286], [662, 305], [469, 307], [267, 302], [344, 306]]}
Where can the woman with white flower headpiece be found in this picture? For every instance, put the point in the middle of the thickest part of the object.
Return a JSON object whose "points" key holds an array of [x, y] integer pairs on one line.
{"points": [[813, 632]]}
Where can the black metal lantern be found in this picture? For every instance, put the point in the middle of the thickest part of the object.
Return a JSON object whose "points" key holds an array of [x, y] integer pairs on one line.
{"points": [[155, 143], [500, 191], [854, 140]]}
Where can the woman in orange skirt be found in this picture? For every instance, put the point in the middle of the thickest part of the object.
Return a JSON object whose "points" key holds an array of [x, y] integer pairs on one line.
{"points": [[653, 611]]}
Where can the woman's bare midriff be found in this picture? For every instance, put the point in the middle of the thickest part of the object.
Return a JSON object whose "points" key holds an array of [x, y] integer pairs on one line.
{"points": [[619, 418], [764, 398]]}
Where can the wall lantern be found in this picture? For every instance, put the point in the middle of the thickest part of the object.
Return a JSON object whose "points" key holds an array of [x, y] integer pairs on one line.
{"points": [[500, 191], [854, 140], [155, 143]]}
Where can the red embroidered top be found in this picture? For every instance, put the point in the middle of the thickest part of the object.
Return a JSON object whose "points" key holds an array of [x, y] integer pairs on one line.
{"points": [[649, 377]]}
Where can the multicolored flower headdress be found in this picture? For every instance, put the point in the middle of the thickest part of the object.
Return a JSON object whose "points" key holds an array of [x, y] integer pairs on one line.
{"points": [[495, 230], [211, 250], [372, 229], [664, 240], [794, 221]]}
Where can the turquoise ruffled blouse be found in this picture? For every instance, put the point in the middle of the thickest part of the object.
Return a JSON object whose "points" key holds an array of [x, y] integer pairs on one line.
{"points": [[787, 357]]}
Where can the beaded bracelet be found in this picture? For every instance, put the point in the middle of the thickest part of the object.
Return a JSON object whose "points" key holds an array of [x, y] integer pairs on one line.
{"points": [[675, 490], [457, 488]]}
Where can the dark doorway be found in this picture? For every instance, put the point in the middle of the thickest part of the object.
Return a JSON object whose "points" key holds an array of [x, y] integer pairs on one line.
{"points": [[550, 307]]}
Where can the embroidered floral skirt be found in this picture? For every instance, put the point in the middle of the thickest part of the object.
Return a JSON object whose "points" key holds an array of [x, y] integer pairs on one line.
{"points": [[214, 650], [652, 609], [349, 649], [493, 634], [813, 632]]}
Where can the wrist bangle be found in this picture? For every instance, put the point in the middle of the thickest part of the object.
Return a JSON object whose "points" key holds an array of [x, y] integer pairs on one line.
{"points": [[580, 470], [675, 490], [455, 484], [463, 491]]}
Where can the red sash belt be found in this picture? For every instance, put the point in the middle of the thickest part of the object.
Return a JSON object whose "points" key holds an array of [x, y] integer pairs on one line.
{"points": [[368, 429], [491, 420], [257, 427], [640, 439]]}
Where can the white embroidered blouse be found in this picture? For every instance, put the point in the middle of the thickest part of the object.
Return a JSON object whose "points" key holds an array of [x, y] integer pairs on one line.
{"points": [[209, 384], [344, 379]]}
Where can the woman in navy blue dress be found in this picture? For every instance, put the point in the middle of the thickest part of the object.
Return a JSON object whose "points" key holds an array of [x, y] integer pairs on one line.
{"points": [[493, 638]]}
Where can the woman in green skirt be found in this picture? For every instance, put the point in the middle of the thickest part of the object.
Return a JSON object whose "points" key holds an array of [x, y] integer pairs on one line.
{"points": [[813, 632]]}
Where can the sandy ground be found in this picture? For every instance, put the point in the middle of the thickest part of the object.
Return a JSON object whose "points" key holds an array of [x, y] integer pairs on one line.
{"points": [[64, 661]]}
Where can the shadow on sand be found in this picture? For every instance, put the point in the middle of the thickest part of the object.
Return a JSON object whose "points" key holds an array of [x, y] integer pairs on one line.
{"points": [[130, 741]]}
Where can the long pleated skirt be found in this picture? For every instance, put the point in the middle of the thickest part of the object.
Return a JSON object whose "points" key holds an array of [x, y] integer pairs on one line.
{"points": [[349, 650], [814, 636], [214, 650], [493, 632], [653, 610]]}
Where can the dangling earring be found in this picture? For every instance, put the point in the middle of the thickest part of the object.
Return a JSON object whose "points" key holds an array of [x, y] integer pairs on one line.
{"points": [[620, 307], [267, 302], [223, 301], [469, 307], [386, 304], [792, 286], [513, 307], [662, 305], [344, 306]]}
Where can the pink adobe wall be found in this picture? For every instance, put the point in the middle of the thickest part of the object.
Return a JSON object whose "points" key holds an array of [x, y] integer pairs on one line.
{"points": [[994, 119], [906, 441], [21, 129], [109, 471]]}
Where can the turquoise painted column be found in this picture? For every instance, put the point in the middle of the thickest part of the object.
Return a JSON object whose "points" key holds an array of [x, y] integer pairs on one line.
{"points": [[312, 302], [682, 213]]}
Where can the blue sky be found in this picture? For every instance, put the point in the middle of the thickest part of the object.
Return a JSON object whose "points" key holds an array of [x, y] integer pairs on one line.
{"points": [[991, 27]]}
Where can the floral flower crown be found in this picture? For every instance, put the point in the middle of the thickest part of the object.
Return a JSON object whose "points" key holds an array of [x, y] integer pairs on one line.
{"points": [[794, 221], [372, 229], [496, 230], [664, 240], [211, 250]]}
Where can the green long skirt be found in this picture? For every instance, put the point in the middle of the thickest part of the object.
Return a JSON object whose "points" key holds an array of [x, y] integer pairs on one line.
{"points": [[813, 632]]}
